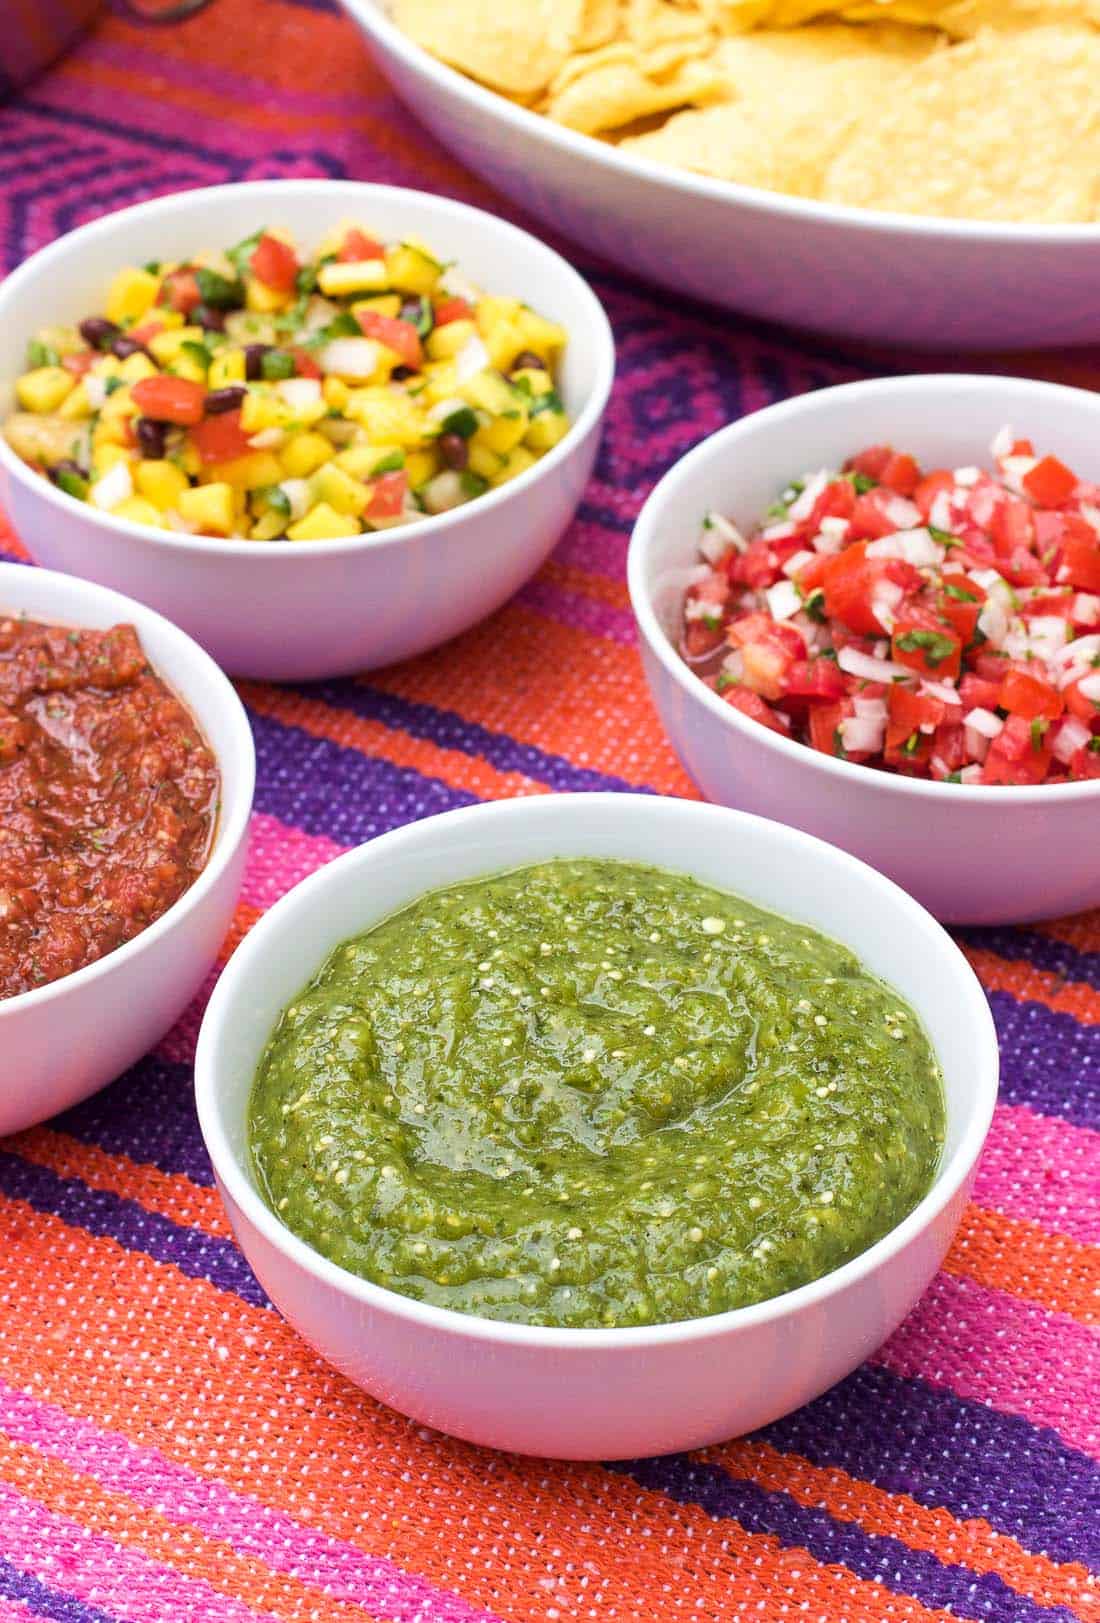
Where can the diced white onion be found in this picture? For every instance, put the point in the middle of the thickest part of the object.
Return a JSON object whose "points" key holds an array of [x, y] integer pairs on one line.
{"points": [[869, 669], [1071, 735], [116, 486], [970, 774], [1075, 659], [1003, 441], [299, 393], [456, 286], [862, 734], [993, 621], [967, 476], [1091, 515], [977, 744], [471, 359], [797, 561], [783, 600], [319, 312], [1090, 687], [940, 513], [95, 387], [734, 664], [987, 579], [869, 709], [916, 547], [902, 513], [183, 526], [804, 503], [1016, 469], [298, 494], [778, 532], [1085, 609], [697, 608], [719, 534], [983, 721], [943, 691], [443, 492], [886, 596], [354, 358], [833, 525]]}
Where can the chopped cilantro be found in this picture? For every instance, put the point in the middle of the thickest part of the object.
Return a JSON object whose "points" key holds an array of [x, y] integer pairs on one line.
{"points": [[198, 352], [861, 483], [953, 777], [217, 290], [912, 744], [472, 483], [1038, 728], [935, 646], [838, 744], [239, 255], [276, 499], [726, 679], [814, 605], [944, 537], [959, 593], [40, 353], [306, 280], [550, 401], [393, 462], [113, 384], [276, 364]]}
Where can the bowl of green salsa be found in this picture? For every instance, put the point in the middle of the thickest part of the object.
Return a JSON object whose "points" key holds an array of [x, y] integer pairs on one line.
{"points": [[599, 1125]]}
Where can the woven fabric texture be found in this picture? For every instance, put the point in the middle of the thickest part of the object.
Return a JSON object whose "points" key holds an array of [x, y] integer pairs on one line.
{"points": [[169, 1449]]}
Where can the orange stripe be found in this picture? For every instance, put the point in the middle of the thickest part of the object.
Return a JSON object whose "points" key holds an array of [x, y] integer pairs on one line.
{"points": [[1033, 985], [356, 1469], [115, 1516], [551, 685], [601, 588], [452, 767], [1082, 931], [1016, 1255], [969, 1542]]}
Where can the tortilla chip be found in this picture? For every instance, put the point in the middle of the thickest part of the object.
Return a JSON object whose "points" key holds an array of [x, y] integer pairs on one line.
{"points": [[600, 23], [960, 19], [514, 48], [794, 100], [620, 90], [1004, 127]]}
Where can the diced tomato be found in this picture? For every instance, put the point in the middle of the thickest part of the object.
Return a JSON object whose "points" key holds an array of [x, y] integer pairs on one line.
{"points": [[399, 336], [1013, 526], [1050, 603], [870, 519], [700, 639], [274, 263], [755, 568], [357, 246], [811, 575], [949, 745], [220, 438], [388, 495], [448, 310], [81, 362], [849, 579], [1022, 568], [816, 679], [901, 474], [977, 693], [1080, 561], [305, 365], [870, 462], [837, 500], [1050, 482], [911, 712], [180, 291], [168, 399], [1022, 448], [1018, 755], [931, 486], [1085, 764], [960, 603], [825, 720], [752, 705], [928, 646], [1029, 696], [1079, 704]]}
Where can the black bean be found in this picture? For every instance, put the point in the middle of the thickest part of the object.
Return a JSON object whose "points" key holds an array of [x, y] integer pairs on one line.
{"points": [[227, 399], [67, 466], [123, 346], [254, 360], [454, 451], [150, 437], [400, 373], [411, 310], [527, 361], [211, 320], [99, 333]]}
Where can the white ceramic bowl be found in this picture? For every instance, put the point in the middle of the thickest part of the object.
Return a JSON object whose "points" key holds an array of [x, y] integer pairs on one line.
{"points": [[589, 1394], [62, 1041], [975, 855], [291, 611], [888, 278]]}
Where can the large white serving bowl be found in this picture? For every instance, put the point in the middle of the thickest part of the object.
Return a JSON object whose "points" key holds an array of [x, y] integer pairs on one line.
{"points": [[61, 1042], [591, 1394], [980, 855], [900, 279], [289, 611]]}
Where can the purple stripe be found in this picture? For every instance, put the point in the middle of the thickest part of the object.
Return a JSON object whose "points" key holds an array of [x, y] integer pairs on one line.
{"points": [[324, 788], [1044, 951], [148, 1115], [906, 1436], [1049, 1060], [876, 1557], [451, 731], [575, 609], [110, 1216], [41, 1601]]}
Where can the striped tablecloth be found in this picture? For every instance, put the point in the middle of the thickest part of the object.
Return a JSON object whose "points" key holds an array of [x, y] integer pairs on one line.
{"points": [[169, 1449]]}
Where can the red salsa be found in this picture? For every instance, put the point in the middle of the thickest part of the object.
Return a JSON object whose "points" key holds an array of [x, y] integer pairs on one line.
{"points": [[108, 798], [941, 623]]}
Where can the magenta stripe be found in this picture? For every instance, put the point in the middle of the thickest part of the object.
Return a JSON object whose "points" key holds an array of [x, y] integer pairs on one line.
{"points": [[253, 1529], [573, 608], [593, 546], [279, 856], [68, 1556], [1007, 1353], [1043, 1170]]}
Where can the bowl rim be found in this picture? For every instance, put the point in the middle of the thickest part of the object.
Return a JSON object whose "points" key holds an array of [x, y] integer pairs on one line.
{"points": [[237, 1185], [234, 814], [598, 334], [773, 420], [372, 17]]}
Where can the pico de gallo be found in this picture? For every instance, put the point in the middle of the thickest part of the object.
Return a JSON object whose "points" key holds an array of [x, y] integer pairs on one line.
{"points": [[942, 623], [268, 394]]}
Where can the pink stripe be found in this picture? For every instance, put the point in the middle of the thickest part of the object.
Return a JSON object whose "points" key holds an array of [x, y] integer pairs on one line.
{"points": [[279, 856], [594, 547], [66, 1555], [13, 1611], [1004, 1352], [193, 74], [252, 1528], [574, 609], [1042, 1170]]}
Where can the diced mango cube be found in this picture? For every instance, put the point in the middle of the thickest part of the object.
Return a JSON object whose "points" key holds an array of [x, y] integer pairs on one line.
{"points": [[422, 466], [44, 388], [353, 276], [516, 462], [504, 342], [267, 526], [443, 343], [138, 510], [250, 472], [483, 461], [160, 482], [412, 268], [546, 430], [137, 366], [76, 404], [336, 488], [361, 460], [492, 310], [227, 367], [387, 417], [502, 433], [335, 392], [546, 338], [323, 523], [106, 455], [304, 455], [264, 300], [210, 507], [131, 294], [165, 346], [383, 304]]}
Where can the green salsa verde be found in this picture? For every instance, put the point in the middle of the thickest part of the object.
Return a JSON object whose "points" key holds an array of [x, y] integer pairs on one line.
{"points": [[591, 1093]]}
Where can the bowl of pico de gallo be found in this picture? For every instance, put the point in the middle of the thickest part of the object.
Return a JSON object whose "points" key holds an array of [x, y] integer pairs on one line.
{"points": [[873, 613]]}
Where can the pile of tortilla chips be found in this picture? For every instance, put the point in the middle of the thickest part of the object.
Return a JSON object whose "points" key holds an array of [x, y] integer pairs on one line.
{"points": [[977, 109]]}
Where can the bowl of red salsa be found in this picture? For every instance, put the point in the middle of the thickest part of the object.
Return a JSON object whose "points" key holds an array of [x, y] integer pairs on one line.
{"points": [[873, 612], [126, 778]]}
